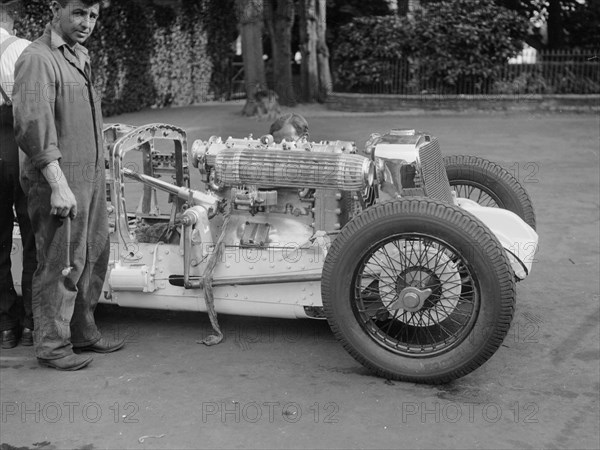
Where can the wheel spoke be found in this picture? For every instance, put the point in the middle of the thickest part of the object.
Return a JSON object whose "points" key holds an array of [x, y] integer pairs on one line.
{"points": [[442, 319], [477, 192]]}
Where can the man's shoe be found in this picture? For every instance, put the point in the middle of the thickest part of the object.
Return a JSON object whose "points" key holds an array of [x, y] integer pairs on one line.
{"points": [[8, 339], [69, 362], [104, 345], [27, 337]]}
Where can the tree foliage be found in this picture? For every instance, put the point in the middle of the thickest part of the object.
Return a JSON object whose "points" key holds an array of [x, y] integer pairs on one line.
{"points": [[466, 38], [122, 49], [582, 25], [570, 23], [342, 12], [364, 45], [454, 40], [221, 31], [148, 55], [566, 23], [33, 17]]}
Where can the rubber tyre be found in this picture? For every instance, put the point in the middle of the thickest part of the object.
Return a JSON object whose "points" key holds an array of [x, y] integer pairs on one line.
{"points": [[492, 179], [482, 254]]}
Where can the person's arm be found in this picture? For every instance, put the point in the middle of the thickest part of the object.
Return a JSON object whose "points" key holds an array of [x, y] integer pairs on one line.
{"points": [[35, 130], [62, 200]]}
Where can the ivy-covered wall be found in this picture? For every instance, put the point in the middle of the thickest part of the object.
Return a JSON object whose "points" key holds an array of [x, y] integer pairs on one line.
{"points": [[150, 55]]}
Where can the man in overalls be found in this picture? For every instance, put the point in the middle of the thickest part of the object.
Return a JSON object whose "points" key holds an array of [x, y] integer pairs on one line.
{"points": [[58, 124]]}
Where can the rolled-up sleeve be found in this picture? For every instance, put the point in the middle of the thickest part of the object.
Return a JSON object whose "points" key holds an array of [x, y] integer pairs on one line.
{"points": [[34, 94]]}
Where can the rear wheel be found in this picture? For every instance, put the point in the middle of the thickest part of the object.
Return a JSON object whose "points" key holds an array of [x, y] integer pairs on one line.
{"points": [[489, 184], [418, 290]]}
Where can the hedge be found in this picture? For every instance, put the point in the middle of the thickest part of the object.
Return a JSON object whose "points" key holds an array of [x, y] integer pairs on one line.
{"points": [[147, 55], [455, 41]]}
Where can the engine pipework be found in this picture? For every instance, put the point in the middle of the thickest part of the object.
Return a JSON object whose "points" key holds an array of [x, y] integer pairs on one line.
{"points": [[193, 196]]}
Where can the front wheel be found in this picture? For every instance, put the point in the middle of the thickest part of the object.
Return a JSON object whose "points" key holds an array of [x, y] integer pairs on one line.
{"points": [[418, 290], [489, 184]]}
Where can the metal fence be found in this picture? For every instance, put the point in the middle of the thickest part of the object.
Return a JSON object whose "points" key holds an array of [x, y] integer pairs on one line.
{"points": [[548, 72]]}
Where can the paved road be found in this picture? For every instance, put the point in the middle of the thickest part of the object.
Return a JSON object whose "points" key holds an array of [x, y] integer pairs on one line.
{"points": [[289, 384]]}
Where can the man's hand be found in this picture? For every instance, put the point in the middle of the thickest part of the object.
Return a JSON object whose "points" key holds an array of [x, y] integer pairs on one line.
{"points": [[62, 200]]}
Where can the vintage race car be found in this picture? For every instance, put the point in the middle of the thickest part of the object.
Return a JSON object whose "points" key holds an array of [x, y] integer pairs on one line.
{"points": [[416, 281]]}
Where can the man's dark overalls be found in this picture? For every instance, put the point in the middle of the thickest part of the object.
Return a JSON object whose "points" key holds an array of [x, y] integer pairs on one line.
{"points": [[57, 116]]}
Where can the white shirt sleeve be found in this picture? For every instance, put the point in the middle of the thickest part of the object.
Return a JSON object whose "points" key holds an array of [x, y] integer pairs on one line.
{"points": [[7, 64]]}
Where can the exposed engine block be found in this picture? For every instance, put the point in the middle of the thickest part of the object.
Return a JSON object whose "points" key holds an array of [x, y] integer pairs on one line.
{"points": [[305, 181], [260, 162]]}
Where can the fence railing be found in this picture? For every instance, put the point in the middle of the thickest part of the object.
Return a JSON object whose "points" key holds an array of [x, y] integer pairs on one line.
{"points": [[556, 72]]}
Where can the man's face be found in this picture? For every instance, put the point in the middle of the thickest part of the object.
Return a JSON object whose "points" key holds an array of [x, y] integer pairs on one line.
{"points": [[287, 132], [75, 21]]}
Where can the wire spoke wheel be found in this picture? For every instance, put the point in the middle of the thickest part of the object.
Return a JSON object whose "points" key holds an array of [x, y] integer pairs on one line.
{"points": [[476, 192], [387, 285], [488, 184], [418, 290]]}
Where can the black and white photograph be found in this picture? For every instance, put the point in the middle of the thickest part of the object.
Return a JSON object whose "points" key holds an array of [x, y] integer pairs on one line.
{"points": [[299, 224]]}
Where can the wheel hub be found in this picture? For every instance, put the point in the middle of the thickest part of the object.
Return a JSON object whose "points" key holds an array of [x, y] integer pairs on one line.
{"points": [[411, 299], [420, 284]]}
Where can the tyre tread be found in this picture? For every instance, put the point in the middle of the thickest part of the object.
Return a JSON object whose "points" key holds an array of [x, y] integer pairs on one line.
{"points": [[524, 200], [457, 217]]}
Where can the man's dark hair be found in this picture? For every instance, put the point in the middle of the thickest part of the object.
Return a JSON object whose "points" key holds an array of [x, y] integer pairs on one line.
{"points": [[296, 120], [64, 3]]}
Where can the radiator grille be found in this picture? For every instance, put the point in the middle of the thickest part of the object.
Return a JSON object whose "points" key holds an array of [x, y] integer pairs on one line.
{"points": [[434, 176]]}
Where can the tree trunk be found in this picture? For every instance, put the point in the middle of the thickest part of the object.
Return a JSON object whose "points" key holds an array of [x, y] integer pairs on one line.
{"points": [[403, 8], [308, 49], [250, 18], [555, 25], [279, 16], [325, 83]]}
